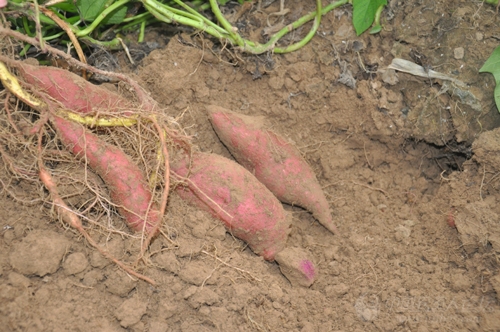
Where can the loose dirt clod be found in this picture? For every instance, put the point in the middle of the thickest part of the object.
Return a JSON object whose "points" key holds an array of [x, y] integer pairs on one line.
{"points": [[39, 253]]}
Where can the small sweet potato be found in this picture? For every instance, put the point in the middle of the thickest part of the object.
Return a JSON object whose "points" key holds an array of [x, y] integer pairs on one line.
{"points": [[231, 193], [297, 266], [126, 183], [274, 161], [75, 93]]}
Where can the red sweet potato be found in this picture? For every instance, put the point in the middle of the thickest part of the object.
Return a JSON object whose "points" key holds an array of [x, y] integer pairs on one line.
{"points": [[297, 266], [126, 183], [75, 93], [232, 194], [274, 161]]}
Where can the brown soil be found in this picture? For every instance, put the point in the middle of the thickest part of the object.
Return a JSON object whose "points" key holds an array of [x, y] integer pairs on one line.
{"points": [[402, 159]]}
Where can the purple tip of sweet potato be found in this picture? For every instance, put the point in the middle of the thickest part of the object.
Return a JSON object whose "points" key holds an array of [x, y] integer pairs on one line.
{"points": [[308, 269], [296, 266]]}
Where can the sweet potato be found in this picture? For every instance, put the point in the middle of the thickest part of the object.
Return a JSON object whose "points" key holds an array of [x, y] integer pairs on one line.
{"points": [[297, 266], [232, 194], [75, 93], [126, 183], [274, 161]]}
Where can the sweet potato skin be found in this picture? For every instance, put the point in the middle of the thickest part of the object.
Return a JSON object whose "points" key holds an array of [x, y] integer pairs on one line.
{"points": [[245, 206], [126, 183], [274, 161], [75, 93]]}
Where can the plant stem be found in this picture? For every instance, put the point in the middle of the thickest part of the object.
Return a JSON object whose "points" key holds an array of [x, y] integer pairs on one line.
{"points": [[235, 37], [295, 25], [309, 36], [100, 17], [141, 32], [377, 26], [168, 15]]}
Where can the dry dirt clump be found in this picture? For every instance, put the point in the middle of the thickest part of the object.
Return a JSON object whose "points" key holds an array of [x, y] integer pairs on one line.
{"points": [[409, 165]]}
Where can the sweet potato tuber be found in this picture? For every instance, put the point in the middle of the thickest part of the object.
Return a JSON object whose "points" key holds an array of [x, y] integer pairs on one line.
{"points": [[75, 93], [127, 185], [232, 194], [274, 161], [297, 266]]}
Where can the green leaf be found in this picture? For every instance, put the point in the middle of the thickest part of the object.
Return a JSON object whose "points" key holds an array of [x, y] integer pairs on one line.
{"points": [[492, 65], [117, 16], [89, 9], [66, 6], [363, 13]]}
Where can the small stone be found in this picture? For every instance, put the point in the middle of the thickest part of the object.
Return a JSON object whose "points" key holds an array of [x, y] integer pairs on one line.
{"points": [[479, 36], [75, 263], [390, 77], [275, 292], [190, 292], [402, 232], [458, 53], [369, 314], [119, 283], [168, 261], [203, 296], [340, 289], [409, 223], [18, 280], [381, 207], [131, 311], [92, 278], [196, 273]]}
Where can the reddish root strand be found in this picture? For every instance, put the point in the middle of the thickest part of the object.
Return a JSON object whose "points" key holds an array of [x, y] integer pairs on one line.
{"points": [[164, 198], [71, 218], [7, 110]]}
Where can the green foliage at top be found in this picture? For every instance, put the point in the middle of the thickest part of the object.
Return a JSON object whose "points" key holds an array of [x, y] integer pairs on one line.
{"points": [[365, 12], [90, 9], [492, 65], [102, 22]]}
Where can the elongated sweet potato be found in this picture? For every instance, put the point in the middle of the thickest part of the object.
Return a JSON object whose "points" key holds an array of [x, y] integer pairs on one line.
{"points": [[75, 93], [232, 194], [126, 183], [274, 161]]}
